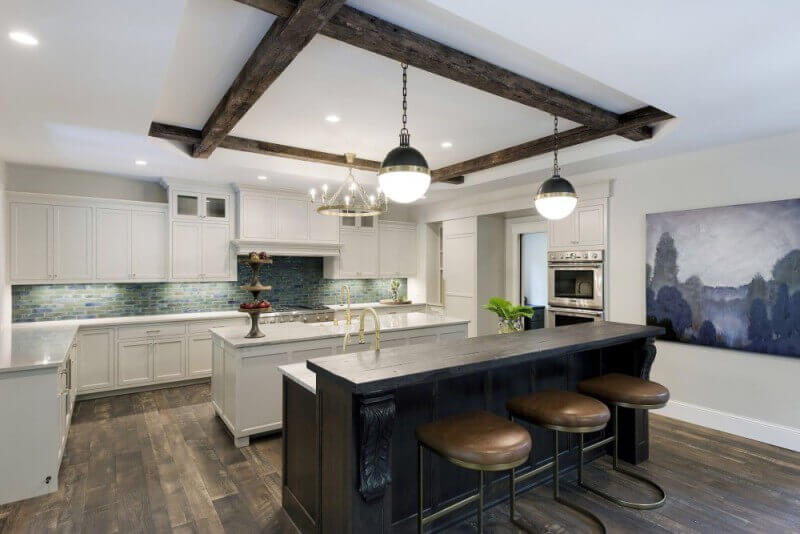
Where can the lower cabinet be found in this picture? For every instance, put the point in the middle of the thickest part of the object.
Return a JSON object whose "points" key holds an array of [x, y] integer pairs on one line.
{"points": [[134, 362], [169, 359], [200, 355], [97, 358]]}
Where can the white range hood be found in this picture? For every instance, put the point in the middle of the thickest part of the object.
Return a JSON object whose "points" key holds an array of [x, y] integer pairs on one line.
{"points": [[286, 248]]}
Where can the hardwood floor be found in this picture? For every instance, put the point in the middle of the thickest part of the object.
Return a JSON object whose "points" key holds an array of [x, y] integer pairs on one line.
{"points": [[161, 462]]}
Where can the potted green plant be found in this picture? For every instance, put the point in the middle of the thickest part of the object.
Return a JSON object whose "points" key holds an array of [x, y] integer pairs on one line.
{"points": [[394, 289], [510, 316]]}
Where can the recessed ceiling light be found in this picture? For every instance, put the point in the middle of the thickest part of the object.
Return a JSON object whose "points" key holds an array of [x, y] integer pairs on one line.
{"points": [[446, 144], [262, 177], [333, 118], [140, 162], [23, 38]]}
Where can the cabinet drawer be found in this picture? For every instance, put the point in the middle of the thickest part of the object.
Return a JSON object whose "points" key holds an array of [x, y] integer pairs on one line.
{"points": [[152, 330], [201, 327]]}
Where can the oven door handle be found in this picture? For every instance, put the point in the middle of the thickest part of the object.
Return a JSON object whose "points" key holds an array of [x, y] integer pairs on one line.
{"points": [[576, 313], [556, 265]]}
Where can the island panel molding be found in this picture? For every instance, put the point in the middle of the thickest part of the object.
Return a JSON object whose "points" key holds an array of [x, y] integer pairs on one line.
{"points": [[376, 423], [285, 39]]}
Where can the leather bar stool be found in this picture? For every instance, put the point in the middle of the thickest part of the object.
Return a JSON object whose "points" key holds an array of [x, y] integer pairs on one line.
{"points": [[559, 411], [629, 392], [481, 441]]}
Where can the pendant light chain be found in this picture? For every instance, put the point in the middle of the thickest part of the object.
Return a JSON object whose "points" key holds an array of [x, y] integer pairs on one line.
{"points": [[556, 168], [405, 138]]}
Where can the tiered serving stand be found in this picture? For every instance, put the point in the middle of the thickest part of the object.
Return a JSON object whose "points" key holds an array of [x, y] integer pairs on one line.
{"points": [[255, 288]]}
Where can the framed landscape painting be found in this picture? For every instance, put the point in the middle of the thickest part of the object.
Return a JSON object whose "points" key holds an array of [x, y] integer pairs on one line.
{"points": [[728, 276]]}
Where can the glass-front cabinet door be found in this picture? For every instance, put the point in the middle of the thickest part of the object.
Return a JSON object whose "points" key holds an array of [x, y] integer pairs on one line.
{"points": [[191, 205]]}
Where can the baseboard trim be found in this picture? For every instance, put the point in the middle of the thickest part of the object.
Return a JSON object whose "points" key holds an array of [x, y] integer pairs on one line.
{"points": [[140, 389], [747, 427]]}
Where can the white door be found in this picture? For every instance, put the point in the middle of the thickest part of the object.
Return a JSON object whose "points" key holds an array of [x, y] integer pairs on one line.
{"points": [[31, 242], [200, 352], [322, 228], [149, 245], [95, 360], [258, 216], [72, 230], [113, 234], [292, 219], [216, 251], [459, 251], [134, 362], [169, 358], [590, 225], [186, 250]]}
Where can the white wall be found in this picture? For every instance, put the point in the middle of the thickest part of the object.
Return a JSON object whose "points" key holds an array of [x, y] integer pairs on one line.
{"points": [[5, 288], [37, 179], [754, 395], [533, 268]]}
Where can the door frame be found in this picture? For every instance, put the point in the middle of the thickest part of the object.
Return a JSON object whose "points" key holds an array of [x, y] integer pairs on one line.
{"points": [[514, 228]]}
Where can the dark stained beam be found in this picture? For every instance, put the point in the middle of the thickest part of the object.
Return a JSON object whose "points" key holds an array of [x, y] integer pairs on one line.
{"points": [[633, 121], [283, 41], [190, 136], [381, 37]]}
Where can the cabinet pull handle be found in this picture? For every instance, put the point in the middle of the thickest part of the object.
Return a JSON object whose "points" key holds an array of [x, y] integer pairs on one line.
{"points": [[152, 331]]}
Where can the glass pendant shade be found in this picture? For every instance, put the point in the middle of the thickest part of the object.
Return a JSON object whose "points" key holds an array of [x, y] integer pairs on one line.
{"points": [[404, 176], [556, 198]]}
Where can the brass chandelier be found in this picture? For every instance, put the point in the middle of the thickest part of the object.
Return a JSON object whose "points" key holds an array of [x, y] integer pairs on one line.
{"points": [[350, 199]]}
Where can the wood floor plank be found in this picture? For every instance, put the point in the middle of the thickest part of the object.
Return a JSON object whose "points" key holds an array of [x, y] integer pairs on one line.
{"points": [[161, 461]]}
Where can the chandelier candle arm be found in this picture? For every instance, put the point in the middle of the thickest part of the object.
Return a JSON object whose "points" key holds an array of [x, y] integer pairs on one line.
{"points": [[556, 198], [404, 175], [350, 199]]}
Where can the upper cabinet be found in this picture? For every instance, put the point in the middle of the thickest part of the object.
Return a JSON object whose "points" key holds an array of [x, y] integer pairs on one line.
{"points": [[50, 243], [398, 249], [583, 228], [200, 234], [284, 223], [131, 244]]}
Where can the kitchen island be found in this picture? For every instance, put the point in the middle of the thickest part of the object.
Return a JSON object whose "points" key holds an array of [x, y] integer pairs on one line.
{"points": [[350, 465], [246, 384]]}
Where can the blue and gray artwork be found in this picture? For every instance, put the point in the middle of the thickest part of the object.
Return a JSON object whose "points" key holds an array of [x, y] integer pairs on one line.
{"points": [[727, 277]]}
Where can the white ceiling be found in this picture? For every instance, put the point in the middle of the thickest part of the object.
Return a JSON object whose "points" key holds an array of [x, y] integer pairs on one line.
{"points": [[104, 70]]}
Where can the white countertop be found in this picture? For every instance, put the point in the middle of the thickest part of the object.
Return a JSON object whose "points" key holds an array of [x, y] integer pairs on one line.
{"points": [[27, 346], [138, 319], [300, 374], [286, 332]]}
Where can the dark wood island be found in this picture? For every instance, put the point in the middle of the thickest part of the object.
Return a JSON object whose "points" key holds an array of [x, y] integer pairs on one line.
{"points": [[349, 446]]}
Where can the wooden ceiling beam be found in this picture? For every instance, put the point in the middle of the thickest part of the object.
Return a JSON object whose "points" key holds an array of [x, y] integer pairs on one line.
{"points": [[191, 137], [634, 121], [371, 33], [280, 45]]}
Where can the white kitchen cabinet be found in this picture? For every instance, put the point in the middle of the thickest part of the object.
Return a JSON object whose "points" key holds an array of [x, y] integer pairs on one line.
{"points": [[131, 245], [169, 359], [293, 219], [196, 205], [135, 363], [31, 238], [72, 243], [187, 250], [149, 245], [50, 243], [113, 236], [257, 216], [398, 249], [322, 228], [585, 227], [216, 251], [359, 255], [96, 359], [199, 355]]}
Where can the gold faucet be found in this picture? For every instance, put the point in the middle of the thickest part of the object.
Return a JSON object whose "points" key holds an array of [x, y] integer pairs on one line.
{"points": [[361, 334], [348, 317]]}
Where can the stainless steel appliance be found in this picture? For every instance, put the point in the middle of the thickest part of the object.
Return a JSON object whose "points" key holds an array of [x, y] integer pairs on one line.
{"points": [[575, 279], [294, 314], [567, 316]]}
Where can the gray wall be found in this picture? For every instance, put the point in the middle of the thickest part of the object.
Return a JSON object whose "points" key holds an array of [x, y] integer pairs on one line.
{"points": [[37, 179]]}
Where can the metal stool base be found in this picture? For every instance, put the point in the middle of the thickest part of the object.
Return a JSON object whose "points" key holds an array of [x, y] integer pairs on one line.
{"points": [[617, 468]]}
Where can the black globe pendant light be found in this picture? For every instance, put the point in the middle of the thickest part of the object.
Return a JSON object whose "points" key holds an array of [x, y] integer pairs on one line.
{"points": [[556, 197], [404, 175]]}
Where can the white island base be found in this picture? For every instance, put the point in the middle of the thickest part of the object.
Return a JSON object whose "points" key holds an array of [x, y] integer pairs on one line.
{"points": [[245, 382]]}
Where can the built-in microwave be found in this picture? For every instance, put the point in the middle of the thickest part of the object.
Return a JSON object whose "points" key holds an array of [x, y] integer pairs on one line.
{"points": [[575, 279]]}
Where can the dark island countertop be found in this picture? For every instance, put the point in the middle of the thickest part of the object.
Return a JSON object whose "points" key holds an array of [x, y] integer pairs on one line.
{"points": [[371, 371]]}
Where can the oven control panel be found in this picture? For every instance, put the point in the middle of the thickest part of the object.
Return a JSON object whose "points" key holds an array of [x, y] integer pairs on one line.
{"points": [[576, 255]]}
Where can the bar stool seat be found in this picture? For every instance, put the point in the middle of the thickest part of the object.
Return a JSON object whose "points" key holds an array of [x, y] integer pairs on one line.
{"points": [[560, 410], [477, 440], [625, 390]]}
